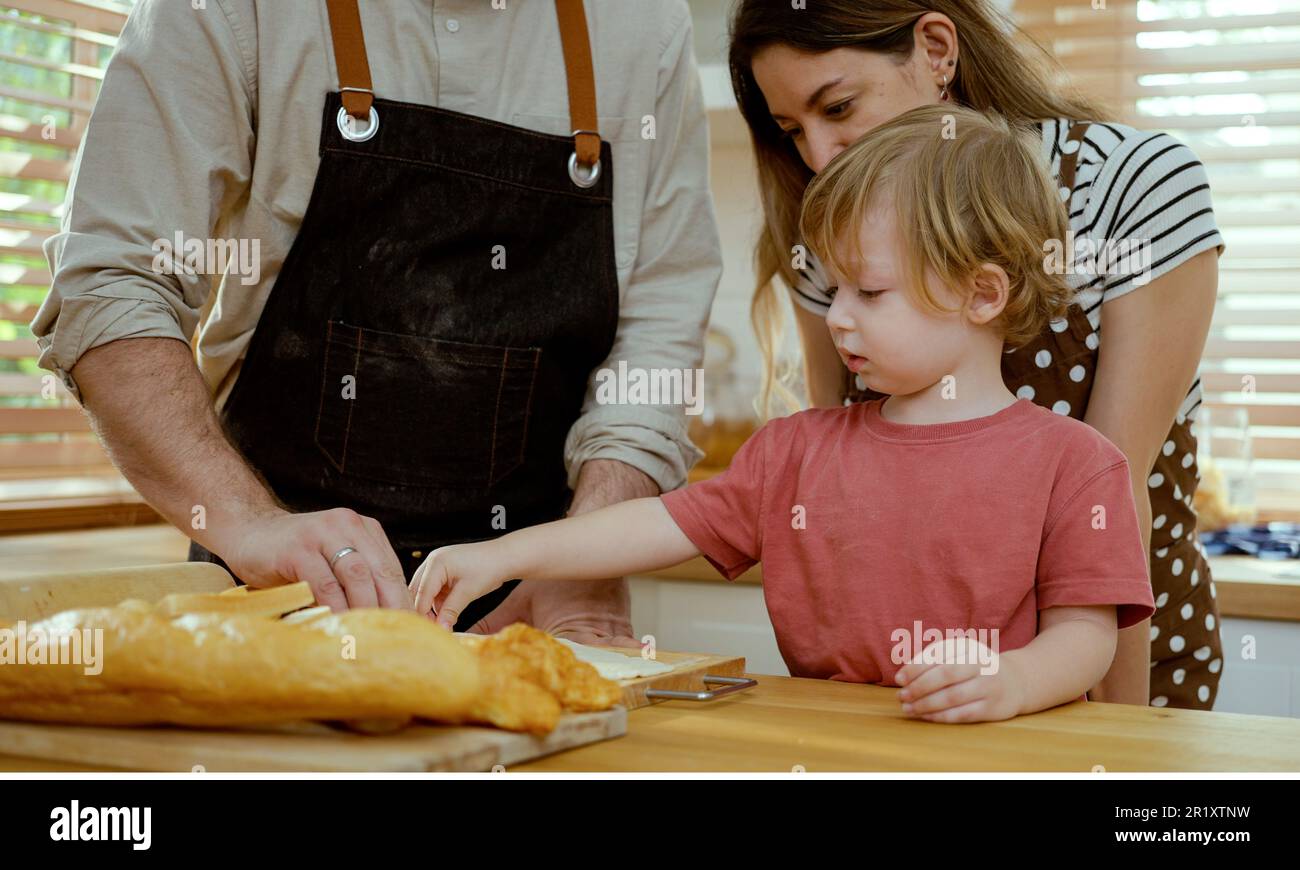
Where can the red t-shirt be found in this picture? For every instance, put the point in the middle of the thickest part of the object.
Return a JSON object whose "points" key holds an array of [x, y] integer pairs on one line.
{"points": [[874, 534]]}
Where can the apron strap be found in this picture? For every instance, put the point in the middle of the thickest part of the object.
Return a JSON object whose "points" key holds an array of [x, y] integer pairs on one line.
{"points": [[350, 56], [582, 80], [359, 96], [1070, 161]]}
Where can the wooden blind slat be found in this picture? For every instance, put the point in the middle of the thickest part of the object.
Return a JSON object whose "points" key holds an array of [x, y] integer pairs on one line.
{"points": [[17, 203], [17, 312], [1234, 382], [1193, 89], [1174, 61], [48, 100], [80, 34], [1224, 316], [21, 244], [31, 385], [101, 15], [1116, 27], [23, 130], [74, 69], [74, 455], [33, 421], [11, 274], [1261, 413], [18, 165], [17, 349], [1228, 349]]}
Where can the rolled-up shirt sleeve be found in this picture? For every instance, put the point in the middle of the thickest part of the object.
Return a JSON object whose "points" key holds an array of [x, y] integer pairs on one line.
{"points": [[665, 310], [167, 151]]}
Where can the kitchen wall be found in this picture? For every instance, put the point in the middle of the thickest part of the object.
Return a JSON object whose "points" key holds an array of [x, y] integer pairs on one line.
{"points": [[1261, 672]]}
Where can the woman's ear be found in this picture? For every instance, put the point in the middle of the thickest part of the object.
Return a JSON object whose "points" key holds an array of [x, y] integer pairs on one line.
{"points": [[936, 44], [990, 289]]}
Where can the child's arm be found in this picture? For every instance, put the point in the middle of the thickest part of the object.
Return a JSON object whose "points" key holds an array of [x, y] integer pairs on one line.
{"points": [[625, 538], [1073, 649]]}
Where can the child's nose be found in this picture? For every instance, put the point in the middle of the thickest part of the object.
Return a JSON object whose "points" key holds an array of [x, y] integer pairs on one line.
{"points": [[837, 317]]}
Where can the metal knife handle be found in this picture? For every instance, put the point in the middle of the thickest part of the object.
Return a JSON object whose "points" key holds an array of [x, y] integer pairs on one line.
{"points": [[732, 684]]}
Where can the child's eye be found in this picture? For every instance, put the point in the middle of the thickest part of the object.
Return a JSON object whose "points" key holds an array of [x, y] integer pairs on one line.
{"points": [[870, 294], [830, 292]]}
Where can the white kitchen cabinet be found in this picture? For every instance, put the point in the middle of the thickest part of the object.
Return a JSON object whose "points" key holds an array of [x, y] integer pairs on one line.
{"points": [[731, 619]]}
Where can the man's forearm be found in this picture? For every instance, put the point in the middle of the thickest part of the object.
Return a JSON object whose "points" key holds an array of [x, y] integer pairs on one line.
{"points": [[150, 407], [602, 482]]}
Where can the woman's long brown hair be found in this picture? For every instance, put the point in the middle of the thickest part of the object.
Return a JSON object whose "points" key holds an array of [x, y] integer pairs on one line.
{"points": [[999, 69]]}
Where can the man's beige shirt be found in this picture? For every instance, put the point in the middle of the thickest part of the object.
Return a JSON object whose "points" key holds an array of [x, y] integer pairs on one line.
{"points": [[208, 125]]}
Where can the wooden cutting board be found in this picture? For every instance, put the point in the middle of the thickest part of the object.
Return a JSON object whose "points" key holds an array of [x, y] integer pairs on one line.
{"points": [[299, 746], [687, 674], [37, 596], [303, 746]]}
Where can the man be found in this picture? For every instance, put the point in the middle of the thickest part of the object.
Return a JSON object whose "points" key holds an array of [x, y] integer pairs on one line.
{"points": [[440, 221]]}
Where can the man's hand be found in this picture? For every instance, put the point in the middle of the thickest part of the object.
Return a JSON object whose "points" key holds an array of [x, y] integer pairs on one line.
{"points": [[152, 410], [281, 547], [597, 612]]}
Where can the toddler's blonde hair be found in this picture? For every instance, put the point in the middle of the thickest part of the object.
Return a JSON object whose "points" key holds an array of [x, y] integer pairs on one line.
{"points": [[967, 188]]}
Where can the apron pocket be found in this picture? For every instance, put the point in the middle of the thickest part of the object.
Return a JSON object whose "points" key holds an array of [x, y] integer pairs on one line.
{"points": [[412, 410]]}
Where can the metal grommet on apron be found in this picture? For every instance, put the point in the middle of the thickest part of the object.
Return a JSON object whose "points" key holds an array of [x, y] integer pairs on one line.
{"points": [[583, 176], [395, 370], [348, 124], [1056, 370]]}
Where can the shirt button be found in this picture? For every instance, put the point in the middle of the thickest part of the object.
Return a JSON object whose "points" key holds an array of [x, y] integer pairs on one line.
{"points": [[453, 25]]}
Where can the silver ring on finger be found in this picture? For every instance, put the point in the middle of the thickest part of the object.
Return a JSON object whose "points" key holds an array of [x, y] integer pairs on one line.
{"points": [[340, 554]]}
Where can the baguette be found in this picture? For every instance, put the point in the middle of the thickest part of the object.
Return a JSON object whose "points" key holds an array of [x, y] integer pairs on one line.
{"points": [[226, 660]]}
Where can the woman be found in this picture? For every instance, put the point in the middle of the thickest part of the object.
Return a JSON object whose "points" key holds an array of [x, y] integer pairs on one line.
{"points": [[811, 81]]}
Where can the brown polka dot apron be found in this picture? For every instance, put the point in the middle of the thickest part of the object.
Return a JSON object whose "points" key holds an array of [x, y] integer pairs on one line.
{"points": [[1056, 370]]}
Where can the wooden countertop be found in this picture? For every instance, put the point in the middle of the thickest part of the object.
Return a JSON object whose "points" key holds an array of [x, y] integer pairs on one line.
{"points": [[821, 725], [825, 726], [830, 726], [1247, 588]]}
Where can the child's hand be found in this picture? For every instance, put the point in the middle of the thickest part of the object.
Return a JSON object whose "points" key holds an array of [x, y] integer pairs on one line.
{"points": [[452, 577], [986, 688]]}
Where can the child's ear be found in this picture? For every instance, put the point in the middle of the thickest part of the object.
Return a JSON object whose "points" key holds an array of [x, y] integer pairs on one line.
{"points": [[990, 287]]}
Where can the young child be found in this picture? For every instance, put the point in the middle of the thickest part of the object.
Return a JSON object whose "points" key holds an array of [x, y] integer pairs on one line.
{"points": [[974, 548]]}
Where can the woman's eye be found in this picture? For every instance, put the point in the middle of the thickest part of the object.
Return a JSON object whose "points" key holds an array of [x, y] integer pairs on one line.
{"points": [[838, 108], [870, 294], [792, 133]]}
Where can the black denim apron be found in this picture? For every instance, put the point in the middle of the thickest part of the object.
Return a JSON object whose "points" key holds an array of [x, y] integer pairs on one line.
{"points": [[428, 342]]}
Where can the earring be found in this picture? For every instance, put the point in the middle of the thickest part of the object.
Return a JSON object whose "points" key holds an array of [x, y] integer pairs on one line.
{"points": [[943, 94]]}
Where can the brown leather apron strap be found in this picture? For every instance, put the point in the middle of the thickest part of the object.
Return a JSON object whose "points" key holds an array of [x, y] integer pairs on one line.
{"points": [[1070, 161], [582, 80], [350, 57], [358, 90]]}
